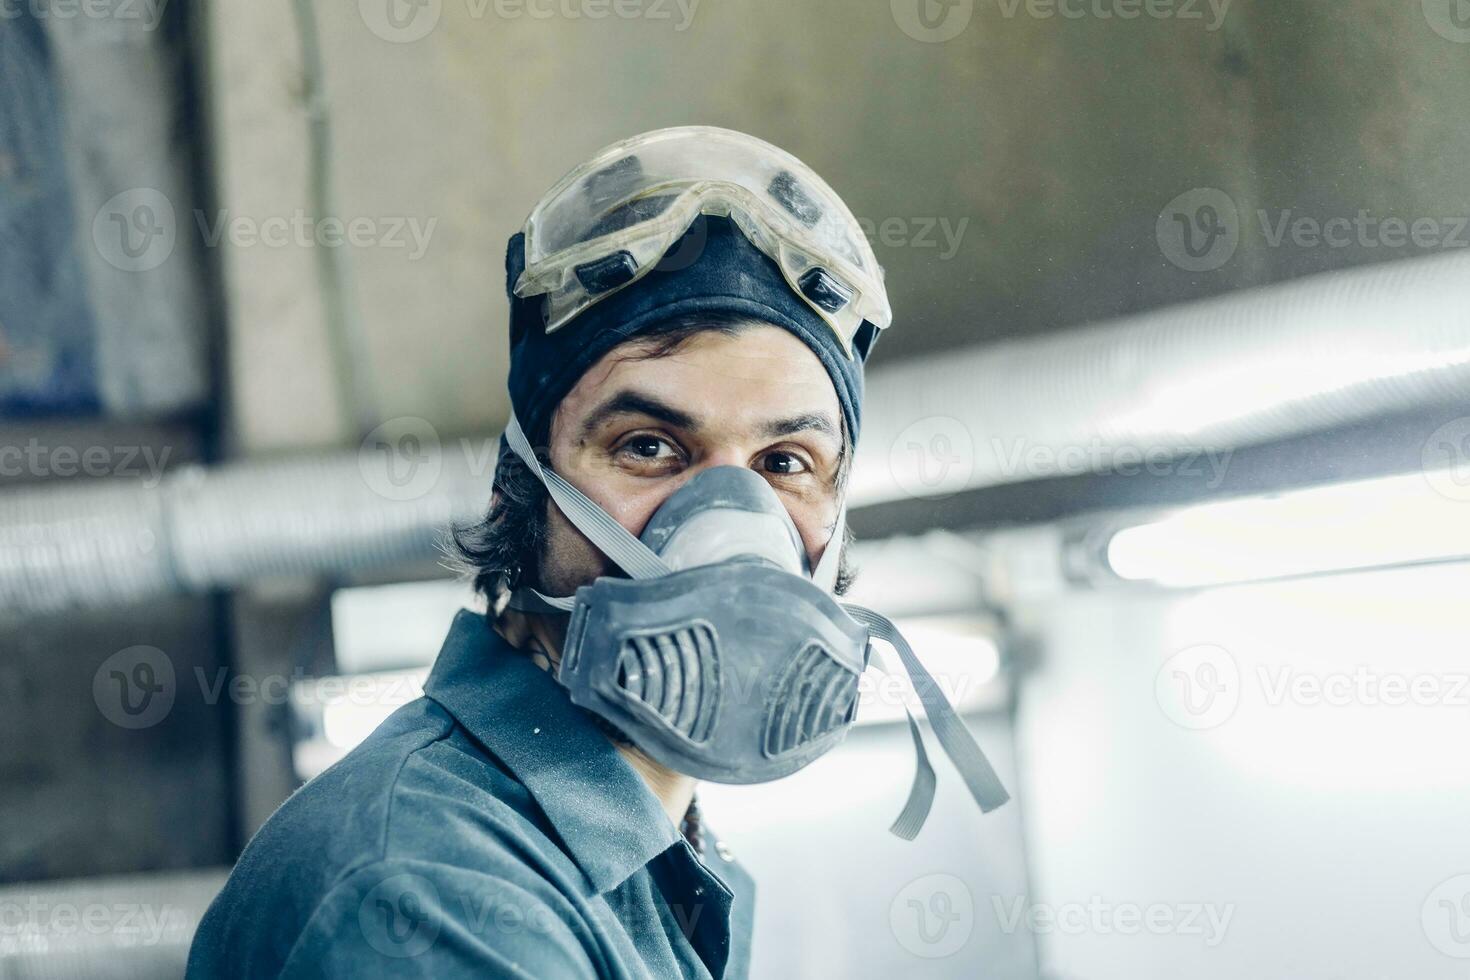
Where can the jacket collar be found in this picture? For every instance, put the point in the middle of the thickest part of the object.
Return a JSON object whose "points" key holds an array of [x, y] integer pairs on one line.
{"points": [[609, 821]]}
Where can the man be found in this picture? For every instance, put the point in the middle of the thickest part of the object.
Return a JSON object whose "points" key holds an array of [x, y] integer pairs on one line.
{"points": [[690, 311]]}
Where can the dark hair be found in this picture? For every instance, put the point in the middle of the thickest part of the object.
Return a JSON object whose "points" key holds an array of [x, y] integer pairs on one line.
{"points": [[503, 549]]}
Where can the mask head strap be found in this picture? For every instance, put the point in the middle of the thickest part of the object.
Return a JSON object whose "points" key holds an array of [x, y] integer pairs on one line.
{"points": [[610, 537], [979, 776]]}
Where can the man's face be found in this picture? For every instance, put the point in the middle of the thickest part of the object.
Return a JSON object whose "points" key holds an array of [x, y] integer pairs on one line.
{"points": [[635, 429]]}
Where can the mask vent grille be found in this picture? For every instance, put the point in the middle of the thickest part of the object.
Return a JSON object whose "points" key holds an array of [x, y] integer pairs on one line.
{"points": [[675, 673], [815, 696]]}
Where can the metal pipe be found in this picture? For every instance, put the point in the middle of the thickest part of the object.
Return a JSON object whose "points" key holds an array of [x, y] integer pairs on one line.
{"points": [[132, 927], [201, 528], [1233, 371], [1238, 370]]}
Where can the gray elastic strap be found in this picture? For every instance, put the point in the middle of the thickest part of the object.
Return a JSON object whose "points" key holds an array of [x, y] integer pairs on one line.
{"points": [[825, 574], [921, 793], [530, 601], [954, 737], [611, 538]]}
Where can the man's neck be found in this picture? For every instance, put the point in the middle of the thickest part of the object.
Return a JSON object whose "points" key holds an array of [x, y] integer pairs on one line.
{"points": [[541, 637], [674, 790]]}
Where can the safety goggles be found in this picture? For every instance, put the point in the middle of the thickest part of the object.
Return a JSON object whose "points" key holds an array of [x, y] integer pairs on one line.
{"points": [[615, 218]]}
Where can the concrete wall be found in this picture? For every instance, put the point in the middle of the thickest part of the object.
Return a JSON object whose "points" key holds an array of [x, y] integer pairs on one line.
{"points": [[113, 745], [1045, 147], [102, 304]]}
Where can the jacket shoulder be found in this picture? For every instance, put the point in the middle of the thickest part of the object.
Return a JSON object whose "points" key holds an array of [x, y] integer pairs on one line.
{"points": [[419, 791], [335, 823]]}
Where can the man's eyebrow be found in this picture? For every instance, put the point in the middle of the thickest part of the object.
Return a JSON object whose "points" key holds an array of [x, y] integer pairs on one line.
{"points": [[810, 422], [630, 402]]}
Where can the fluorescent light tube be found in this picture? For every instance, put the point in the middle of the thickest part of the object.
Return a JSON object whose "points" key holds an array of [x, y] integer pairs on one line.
{"points": [[1396, 520]]}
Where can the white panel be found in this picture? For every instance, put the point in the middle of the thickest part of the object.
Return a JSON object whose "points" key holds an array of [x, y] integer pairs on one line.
{"points": [[1259, 752]]}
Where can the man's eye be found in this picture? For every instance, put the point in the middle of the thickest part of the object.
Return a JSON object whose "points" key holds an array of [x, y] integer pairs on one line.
{"points": [[648, 447], [784, 464]]}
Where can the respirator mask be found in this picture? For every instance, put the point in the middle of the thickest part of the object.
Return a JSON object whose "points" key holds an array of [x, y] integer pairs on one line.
{"points": [[723, 655]]}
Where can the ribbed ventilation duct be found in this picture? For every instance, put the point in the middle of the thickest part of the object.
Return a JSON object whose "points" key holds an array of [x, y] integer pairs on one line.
{"points": [[100, 544], [136, 927], [1239, 370]]}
